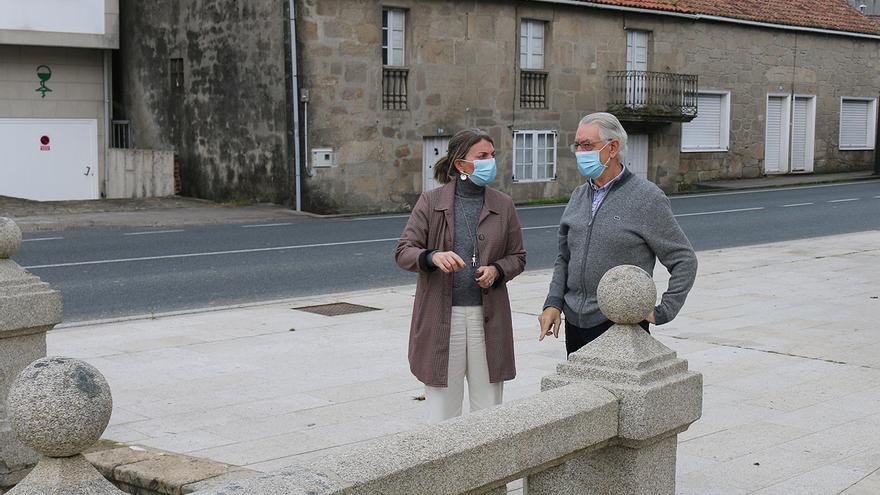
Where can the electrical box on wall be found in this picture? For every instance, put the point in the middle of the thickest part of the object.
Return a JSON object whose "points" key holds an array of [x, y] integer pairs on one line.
{"points": [[323, 157]]}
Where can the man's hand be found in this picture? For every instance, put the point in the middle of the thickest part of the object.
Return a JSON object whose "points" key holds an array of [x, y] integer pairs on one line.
{"points": [[486, 276], [650, 318], [447, 261], [550, 320]]}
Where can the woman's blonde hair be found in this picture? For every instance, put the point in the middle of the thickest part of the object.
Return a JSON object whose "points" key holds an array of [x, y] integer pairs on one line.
{"points": [[458, 147]]}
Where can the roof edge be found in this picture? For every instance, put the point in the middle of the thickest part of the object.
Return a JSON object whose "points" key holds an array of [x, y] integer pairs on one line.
{"points": [[707, 17]]}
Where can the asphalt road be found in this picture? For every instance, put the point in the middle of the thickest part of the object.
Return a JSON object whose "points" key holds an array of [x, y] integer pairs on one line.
{"points": [[113, 273]]}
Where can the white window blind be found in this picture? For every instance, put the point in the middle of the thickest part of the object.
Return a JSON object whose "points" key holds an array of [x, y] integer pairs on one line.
{"points": [[799, 133], [531, 44], [857, 123], [709, 130], [775, 133], [393, 36], [534, 155]]}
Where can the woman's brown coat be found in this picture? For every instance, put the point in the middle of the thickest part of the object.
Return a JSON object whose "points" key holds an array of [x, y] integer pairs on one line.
{"points": [[499, 240]]}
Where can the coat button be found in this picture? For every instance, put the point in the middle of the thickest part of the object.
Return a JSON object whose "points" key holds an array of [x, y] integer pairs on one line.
{"points": [[485, 291], [481, 237], [485, 319]]}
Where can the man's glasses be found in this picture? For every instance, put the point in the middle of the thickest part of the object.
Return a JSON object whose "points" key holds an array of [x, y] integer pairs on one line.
{"points": [[584, 145]]}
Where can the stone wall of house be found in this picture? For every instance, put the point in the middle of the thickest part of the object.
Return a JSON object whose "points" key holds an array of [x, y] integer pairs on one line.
{"points": [[463, 72], [751, 62], [462, 59]]}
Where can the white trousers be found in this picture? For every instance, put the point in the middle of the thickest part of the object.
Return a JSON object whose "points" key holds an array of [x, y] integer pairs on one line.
{"points": [[467, 358]]}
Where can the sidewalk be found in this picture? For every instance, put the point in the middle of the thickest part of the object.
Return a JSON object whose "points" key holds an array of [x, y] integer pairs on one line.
{"points": [[784, 334], [788, 180], [178, 211], [32, 216]]}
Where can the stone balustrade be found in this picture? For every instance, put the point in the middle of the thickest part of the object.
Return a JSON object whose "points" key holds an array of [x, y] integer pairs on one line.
{"points": [[605, 423], [28, 309]]}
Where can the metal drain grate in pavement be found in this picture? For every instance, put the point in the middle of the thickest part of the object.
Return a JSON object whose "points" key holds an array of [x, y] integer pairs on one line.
{"points": [[336, 309]]}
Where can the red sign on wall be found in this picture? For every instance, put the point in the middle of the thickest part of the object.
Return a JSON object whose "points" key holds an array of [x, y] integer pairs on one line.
{"points": [[44, 143]]}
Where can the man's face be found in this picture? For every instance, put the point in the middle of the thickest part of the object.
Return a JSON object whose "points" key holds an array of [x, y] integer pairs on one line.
{"points": [[587, 139], [588, 134]]}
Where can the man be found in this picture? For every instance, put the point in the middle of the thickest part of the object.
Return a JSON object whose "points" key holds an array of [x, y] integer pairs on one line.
{"points": [[615, 218]]}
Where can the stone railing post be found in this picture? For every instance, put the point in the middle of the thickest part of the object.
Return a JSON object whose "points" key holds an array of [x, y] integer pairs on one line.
{"points": [[28, 309], [658, 399], [60, 407]]}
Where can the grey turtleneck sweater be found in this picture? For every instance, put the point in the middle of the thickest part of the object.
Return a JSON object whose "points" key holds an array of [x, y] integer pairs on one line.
{"points": [[467, 206]]}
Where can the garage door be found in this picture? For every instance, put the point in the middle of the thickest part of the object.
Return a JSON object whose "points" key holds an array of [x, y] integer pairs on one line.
{"points": [[49, 159]]}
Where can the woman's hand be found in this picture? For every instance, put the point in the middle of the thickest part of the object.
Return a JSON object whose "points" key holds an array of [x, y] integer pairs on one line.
{"points": [[486, 276], [447, 261], [550, 321]]}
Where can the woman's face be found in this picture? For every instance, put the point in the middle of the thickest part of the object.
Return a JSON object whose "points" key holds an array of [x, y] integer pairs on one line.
{"points": [[481, 151]]}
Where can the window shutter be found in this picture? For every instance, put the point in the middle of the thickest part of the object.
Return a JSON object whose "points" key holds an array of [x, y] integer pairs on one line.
{"points": [[774, 134], [855, 123], [799, 121], [704, 132], [531, 44], [393, 37]]}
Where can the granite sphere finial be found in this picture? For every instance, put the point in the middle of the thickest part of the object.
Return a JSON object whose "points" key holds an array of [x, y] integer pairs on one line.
{"points": [[10, 238], [59, 406], [626, 294]]}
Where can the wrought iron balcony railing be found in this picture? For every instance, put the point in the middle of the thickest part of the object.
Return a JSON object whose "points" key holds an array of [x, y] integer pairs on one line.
{"points": [[644, 96]]}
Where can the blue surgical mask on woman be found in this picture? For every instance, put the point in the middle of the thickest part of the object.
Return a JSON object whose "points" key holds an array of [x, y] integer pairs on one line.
{"points": [[589, 164], [484, 171]]}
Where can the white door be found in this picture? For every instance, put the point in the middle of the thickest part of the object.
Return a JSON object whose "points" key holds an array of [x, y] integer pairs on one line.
{"points": [[433, 148], [637, 155], [776, 135], [636, 60], [49, 159], [803, 123]]}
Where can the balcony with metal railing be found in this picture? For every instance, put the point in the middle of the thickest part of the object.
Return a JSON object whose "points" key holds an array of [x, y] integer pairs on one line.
{"points": [[643, 96]]}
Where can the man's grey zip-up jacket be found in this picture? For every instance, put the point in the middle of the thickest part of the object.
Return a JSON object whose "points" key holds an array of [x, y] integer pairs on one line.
{"points": [[633, 226]]}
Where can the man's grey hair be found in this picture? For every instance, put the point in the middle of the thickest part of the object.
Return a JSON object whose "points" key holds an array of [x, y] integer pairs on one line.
{"points": [[609, 128]]}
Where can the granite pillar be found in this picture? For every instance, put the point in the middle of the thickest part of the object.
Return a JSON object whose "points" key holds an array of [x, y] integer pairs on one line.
{"points": [[28, 309]]}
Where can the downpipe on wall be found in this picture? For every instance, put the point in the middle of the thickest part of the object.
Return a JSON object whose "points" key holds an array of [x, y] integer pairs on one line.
{"points": [[107, 123], [294, 88]]}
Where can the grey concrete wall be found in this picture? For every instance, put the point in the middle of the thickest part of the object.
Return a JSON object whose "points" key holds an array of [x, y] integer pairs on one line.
{"points": [[136, 173], [77, 86], [229, 121]]}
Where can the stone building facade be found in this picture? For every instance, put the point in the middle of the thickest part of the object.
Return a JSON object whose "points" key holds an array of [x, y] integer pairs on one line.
{"points": [[379, 87]]}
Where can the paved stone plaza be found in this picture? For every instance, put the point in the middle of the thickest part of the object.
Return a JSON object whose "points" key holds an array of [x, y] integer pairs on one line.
{"points": [[781, 333]]}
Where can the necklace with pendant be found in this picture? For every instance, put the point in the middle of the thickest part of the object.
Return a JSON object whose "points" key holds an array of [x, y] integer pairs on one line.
{"points": [[472, 236]]}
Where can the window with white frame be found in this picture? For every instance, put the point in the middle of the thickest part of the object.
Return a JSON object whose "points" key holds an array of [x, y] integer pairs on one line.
{"points": [[393, 36], [534, 155], [858, 118], [531, 44], [710, 130]]}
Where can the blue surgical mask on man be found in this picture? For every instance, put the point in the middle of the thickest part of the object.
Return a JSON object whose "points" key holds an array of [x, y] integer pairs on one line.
{"points": [[589, 164], [484, 171]]}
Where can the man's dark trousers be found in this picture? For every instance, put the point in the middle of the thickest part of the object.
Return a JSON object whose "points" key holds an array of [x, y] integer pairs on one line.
{"points": [[577, 337]]}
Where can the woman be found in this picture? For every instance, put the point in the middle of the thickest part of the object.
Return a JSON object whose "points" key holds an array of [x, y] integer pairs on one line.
{"points": [[464, 240]]}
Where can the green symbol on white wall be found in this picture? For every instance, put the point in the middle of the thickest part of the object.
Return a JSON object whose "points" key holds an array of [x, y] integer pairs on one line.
{"points": [[44, 73]]}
